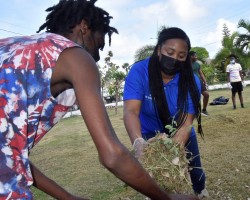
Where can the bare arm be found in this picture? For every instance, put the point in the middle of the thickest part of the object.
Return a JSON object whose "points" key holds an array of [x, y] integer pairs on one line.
{"points": [[50, 187], [203, 78], [131, 119], [241, 76], [183, 133], [78, 68], [228, 77]]}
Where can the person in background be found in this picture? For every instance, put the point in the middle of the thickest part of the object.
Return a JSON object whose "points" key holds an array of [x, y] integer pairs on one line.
{"points": [[41, 77], [235, 79], [204, 90], [162, 89]]}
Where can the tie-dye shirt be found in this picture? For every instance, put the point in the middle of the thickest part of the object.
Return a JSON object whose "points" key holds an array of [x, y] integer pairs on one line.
{"points": [[27, 108]]}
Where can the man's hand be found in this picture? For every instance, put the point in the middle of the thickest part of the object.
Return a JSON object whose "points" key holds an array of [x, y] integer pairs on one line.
{"points": [[206, 85], [229, 85], [138, 147]]}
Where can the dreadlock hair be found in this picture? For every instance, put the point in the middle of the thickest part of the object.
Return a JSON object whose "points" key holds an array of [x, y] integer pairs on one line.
{"points": [[186, 86], [65, 15]]}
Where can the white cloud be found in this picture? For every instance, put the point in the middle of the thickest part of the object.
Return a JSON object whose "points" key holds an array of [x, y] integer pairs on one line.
{"points": [[212, 39], [123, 49], [137, 21], [140, 26], [188, 10]]}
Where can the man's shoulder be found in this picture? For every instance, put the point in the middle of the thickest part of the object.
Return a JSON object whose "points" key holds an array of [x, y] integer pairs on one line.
{"points": [[229, 66], [238, 64]]}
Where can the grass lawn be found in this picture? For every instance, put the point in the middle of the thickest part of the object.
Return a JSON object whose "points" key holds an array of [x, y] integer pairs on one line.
{"points": [[68, 156]]}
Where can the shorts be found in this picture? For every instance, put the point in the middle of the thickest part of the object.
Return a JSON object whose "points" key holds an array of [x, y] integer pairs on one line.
{"points": [[203, 86], [236, 87]]}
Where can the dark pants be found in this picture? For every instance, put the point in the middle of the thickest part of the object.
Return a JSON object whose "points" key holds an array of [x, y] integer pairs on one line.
{"points": [[197, 174]]}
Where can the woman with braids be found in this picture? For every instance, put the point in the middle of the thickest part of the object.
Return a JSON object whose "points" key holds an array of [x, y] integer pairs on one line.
{"points": [[41, 76], [162, 89]]}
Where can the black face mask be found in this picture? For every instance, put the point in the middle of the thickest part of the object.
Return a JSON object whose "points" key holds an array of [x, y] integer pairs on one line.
{"points": [[170, 66]]}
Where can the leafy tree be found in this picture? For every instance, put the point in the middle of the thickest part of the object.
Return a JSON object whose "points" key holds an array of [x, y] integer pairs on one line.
{"points": [[102, 78], [115, 78], [226, 31], [229, 43], [243, 41], [209, 72], [201, 52], [126, 67], [144, 52], [221, 58]]}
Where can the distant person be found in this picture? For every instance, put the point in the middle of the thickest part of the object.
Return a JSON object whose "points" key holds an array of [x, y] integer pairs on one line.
{"points": [[204, 90], [162, 89], [41, 77], [235, 79]]}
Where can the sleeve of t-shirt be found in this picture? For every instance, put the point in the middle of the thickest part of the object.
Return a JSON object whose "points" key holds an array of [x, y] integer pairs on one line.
{"points": [[227, 69], [133, 88], [240, 68], [191, 109]]}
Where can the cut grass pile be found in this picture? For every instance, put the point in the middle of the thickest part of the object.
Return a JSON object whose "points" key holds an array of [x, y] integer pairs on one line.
{"points": [[166, 162]]}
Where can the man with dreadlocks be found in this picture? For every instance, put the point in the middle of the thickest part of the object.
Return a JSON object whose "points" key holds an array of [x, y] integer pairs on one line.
{"points": [[162, 89], [41, 76]]}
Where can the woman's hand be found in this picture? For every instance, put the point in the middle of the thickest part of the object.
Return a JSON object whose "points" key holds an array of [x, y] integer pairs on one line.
{"points": [[183, 133], [138, 146]]}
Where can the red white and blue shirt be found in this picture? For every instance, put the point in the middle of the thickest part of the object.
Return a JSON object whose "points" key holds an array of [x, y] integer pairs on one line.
{"points": [[27, 108]]}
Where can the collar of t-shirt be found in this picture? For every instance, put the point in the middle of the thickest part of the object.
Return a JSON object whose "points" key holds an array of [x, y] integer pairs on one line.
{"points": [[174, 80]]}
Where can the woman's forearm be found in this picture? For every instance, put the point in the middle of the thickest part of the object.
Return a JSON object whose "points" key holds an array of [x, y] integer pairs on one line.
{"points": [[132, 125]]}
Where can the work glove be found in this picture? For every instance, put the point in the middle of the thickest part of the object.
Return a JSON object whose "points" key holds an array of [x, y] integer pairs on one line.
{"points": [[229, 85], [138, 146]]}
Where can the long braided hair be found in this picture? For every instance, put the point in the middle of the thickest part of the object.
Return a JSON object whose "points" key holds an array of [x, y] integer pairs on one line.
{"points": [[186, 86], [65, 15]]}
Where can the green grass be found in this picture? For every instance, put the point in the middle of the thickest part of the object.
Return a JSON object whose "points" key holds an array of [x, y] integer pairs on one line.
{"points": [[68, 156]]}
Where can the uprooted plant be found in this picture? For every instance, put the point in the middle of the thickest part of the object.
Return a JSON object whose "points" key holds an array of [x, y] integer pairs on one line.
{"points": [[166, 162]]}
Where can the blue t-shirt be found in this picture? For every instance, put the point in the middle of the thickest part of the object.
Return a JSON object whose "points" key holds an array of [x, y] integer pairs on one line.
{"points": [[137, 88]]}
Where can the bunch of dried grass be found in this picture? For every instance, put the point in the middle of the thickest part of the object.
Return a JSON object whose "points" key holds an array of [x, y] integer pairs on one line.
{"points": [[166, 162]]}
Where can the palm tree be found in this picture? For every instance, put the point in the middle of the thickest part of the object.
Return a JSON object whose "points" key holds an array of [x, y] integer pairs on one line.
{"points": [[144, 52], [228, 47], [221, 59], [228, 42], [243, 40]]}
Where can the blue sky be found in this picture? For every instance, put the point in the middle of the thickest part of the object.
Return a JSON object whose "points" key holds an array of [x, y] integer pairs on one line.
{"points": [[137, 21]]}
